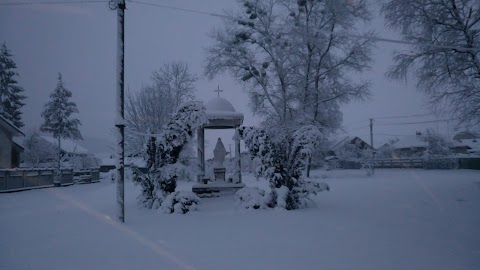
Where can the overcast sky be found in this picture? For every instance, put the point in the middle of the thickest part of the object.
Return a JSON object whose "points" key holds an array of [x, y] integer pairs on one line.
{"points": [[79, 40]]}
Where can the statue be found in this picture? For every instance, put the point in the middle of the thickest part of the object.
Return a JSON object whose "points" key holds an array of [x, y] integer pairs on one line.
{"points": [[219, 154]]}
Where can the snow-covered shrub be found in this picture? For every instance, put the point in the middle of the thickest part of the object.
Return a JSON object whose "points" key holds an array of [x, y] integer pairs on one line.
{"points": [[252, 198], [282, 162], [180, 202], [438, 146], [165, 165], [147, 183], [108, 176]]}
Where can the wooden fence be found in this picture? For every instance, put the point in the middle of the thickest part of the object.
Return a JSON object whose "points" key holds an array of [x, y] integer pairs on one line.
{"points": [[24, 179], [420, 163]]}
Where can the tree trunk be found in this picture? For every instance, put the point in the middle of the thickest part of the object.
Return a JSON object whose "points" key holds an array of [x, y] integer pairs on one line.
{"points": [[309, 162], [58, 178]]}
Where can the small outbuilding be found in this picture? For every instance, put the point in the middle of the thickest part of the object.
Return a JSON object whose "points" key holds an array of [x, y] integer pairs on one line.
{"points": [[221, 115]]}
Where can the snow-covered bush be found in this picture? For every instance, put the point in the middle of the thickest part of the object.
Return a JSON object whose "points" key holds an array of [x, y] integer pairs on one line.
{"points": [[108, 176], [438, 146], [282, 161], [180, 202], [252, 198], [165, 164]]}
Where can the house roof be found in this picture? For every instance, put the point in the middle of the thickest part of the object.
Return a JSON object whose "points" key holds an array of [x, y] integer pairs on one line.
{"points": [[221, 114], [10, 127], [466, 135], [347, 140], [66, 145], [410, 141], [18, 141], [337, 142], [474, 145]]}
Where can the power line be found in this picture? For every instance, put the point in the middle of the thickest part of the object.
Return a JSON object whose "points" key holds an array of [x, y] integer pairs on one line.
{"points": [[413, 123], [440, 46], [393, 135], [367, 37], [403, 116], [51, 2], [181, 9]]}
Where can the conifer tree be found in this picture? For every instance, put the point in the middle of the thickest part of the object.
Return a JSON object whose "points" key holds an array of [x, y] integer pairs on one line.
{"points": [[58, 117], [11, 94]]}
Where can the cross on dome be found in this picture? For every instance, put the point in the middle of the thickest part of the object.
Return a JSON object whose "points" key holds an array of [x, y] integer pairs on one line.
{"points": [[218, 91]]}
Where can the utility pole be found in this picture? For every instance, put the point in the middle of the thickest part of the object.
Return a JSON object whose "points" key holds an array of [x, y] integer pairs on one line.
{"points": [[371, 132], [120, 113]]}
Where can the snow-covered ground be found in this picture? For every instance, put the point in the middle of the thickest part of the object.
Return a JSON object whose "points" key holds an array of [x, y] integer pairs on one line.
{"points": [[397, 219]]}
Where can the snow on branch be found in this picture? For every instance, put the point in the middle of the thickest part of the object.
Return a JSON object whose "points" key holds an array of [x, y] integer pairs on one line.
{"points": [[159, 184], [281, 164]]}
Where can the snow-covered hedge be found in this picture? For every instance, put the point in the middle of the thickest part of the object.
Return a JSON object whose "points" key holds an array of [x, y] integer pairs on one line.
{"points": [[180, 202], [282, 161], [251, 198], [164, 157]]}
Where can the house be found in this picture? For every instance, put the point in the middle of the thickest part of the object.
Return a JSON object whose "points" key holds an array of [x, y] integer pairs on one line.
{"points": [[416, 145], [73, 154], [410, 146], [386, 150], [10, 150], [466, 135], [67, 146], [349, 148]]}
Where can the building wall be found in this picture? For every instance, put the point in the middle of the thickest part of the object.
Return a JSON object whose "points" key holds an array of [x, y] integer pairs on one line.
{"points": [[5, 148]]}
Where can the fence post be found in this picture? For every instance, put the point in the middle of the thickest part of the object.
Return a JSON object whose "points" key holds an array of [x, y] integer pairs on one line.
{"points": [[6, 179], [24, 177]]}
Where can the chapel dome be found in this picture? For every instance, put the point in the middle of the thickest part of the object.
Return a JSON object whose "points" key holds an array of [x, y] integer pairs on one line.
{"points": [[219, 104]]}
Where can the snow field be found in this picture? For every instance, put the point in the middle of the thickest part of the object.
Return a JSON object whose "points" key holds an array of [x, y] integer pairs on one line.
{"points": [[397, 219]]}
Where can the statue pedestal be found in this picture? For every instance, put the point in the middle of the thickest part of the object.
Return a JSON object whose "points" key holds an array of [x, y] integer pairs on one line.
{"points": [[216, 189], [219, 174]]}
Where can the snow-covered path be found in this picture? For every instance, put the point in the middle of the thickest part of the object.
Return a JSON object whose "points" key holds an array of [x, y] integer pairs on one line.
{"points": [[398, 219]]}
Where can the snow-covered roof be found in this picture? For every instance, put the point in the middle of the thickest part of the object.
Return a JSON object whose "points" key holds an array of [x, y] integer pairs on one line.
{"points": [[412, 141], [8, 125], [219, 104], [221, 114], [19, 141], [339, 143], [474, 144], [66, 145], [220, 108]]}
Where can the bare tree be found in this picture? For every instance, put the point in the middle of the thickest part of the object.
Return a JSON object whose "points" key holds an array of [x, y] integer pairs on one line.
{"points": [[325, 57], [446, 59], [292, 57], [255, 49], [295, 59], [149, 108]]}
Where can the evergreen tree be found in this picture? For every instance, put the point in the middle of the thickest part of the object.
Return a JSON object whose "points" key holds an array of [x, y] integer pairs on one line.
{"points": [[58, 112], [58, 119], [11, 95]]}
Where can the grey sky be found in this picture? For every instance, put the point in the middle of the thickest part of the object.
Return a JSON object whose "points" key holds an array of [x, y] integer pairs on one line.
{"points": [[79, 40]]}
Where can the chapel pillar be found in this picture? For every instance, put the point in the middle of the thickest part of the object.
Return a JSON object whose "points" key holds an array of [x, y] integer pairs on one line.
{"points": [[238, 158], [201, 153]]}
